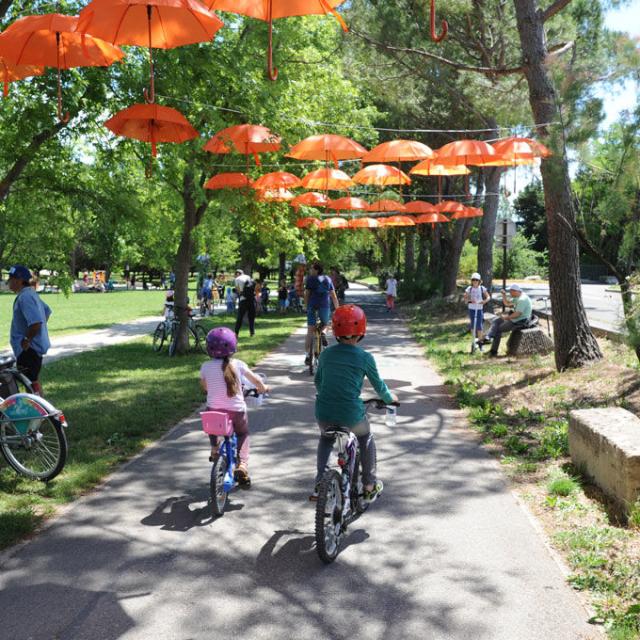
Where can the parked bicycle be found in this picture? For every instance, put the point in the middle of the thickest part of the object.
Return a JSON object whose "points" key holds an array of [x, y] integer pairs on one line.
{"points": [[32, 438], [167, 331], [341, 491]]}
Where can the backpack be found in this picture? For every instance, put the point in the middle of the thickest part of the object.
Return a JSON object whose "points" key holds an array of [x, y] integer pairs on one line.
{"points": [[249, 289]]}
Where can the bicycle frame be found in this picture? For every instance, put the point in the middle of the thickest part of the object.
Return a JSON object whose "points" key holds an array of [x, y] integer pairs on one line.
{"points": [[228, 448]]}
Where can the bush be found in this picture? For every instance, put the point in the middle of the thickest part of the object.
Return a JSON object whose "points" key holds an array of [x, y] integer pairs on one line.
{"points": [[522, 260], [417, 289]]}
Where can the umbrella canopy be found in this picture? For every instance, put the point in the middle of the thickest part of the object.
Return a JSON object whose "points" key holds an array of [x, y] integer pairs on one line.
{"points": [[328, 147], [151, 123], [386, 205], [468, 212], [397, 221], [51, 40], [277, 179], [310, 199], [247, 139], [274, 195], [473, 152], [327, 180], [398, 151], [363, 223], [334, 223], [381, 175], [449, 206], [430, 218], [303, 223], [348, 204], [431, 168], [10, 72], [160, 24], [516, 151], [228, 181], [270, 10], [419, 206]]}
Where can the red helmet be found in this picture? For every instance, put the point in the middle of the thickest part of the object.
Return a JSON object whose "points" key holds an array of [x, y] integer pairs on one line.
{"points": [[349, 320]]}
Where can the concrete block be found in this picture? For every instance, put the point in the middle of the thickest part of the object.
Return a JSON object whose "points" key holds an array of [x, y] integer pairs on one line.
{"points": [[605, 444]]}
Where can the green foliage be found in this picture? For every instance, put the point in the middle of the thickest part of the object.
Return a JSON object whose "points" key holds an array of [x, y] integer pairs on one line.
{"points": [[531, 215], [562, 485], [522, 260]]}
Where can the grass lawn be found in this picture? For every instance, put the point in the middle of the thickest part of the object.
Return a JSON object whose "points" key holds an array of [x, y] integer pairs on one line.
{"points": [[117, 400], [520, 409]]}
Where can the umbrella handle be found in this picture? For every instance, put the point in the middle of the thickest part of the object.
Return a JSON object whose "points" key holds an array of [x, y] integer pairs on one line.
{"points": [[150, 96], [62, 118], [272, 73], [445, 25]]}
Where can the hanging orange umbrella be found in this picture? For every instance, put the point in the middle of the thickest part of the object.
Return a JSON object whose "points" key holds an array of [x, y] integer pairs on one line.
{"points": [[468, 212], [10, 72], [381, 175], [303, 223], [473, 152], [327, 147], [232, 180], [431, 218], [270, 10], [310, 199], [151, 123], [386, 205], [516, 151], [277, 179], [430, 167], [160, 24], [274, 195], [398, 151], [327, 180], [449, 206], [247, 139], [363, 223], [334, 223], [51, 40], [348, 204], [419, 206], [397, 221]]}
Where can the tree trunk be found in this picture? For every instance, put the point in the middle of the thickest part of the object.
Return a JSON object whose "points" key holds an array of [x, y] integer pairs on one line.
{"points": [[281, 266], [451, 259], [574, 342], [409, 253], [423, 250], [488, 225]]}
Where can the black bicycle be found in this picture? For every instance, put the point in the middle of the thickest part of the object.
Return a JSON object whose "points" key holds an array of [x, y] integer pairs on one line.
{"points": [[341, 491], [318, 341]]}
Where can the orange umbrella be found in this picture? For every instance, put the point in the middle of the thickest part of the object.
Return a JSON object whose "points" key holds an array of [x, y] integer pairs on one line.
{"points": [[386, 205], [274, 195], [51, 40], [431, 168], [419, 206], [398, 151], [348, 204], [247, 139], [151, 123], [473, 152], [327, 147], [519, 150], [270, 10], [468, 212], [303, 223], [228, 181], [397, 221], [10, 73], [327, 180], [363, 223], [449, 206], [163, 24], [277, 179], [430, 218], [334, 223], [381, 175], [310, 199]]}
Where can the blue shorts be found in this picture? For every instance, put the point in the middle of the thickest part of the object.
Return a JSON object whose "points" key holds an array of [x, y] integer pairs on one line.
{"points": [[479, 319], [207, 294], [324, 313]]}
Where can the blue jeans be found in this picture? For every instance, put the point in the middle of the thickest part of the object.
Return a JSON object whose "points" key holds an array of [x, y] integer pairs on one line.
{"points": [[498, 327], [324, 313]]}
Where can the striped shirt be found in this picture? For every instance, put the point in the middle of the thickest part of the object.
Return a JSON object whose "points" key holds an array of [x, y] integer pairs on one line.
{"points": [[217, 398]]}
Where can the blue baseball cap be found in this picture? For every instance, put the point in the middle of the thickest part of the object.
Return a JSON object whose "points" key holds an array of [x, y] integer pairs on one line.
{"points": [[20, 272]]}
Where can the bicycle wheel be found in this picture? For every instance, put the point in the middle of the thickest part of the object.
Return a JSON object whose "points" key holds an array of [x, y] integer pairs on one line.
{"points": [[159, 336], [358, 503], [216, 486], [329, 516], [200, 336], [173, 338], [40, 454]]}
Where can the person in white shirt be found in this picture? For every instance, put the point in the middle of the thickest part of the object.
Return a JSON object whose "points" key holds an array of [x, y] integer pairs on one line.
{"points": [[476, 296], [392, 292]]}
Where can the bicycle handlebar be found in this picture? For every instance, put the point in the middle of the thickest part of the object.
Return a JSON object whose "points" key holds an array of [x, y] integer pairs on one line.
{"points": [[379, 404]]}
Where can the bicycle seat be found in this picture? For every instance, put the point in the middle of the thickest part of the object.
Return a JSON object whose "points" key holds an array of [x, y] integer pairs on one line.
{"points": [[7, 361]]}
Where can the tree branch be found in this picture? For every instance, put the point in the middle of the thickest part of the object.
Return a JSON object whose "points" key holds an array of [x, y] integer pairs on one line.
{"points": [[554, 8], [5, 5]]}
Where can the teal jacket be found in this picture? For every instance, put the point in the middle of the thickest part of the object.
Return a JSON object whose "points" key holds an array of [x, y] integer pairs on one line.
{"points": [[339, 377]]}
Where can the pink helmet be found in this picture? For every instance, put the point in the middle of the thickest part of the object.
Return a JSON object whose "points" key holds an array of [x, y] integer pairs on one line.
{"points": [[221, 342]]}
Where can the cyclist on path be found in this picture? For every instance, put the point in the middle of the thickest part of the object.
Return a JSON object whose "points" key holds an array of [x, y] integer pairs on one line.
{"points": [[319, 292]]}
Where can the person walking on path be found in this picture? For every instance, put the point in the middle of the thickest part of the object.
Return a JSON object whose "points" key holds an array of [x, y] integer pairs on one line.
{"points": [[318, 296], [476, 296], [517, 318], [391, 288], [29, 335], [246, 301]]}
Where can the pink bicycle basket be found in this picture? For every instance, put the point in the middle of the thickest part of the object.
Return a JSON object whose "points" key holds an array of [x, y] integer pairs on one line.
{"points": [[216, 423]]}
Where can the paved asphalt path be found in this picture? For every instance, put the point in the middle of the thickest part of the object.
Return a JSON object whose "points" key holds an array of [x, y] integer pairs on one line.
{"points": [[445, 553]]}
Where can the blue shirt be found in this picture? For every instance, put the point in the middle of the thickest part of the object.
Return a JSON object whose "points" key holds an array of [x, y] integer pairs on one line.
{"points": [[319, 286], [28, 309]]}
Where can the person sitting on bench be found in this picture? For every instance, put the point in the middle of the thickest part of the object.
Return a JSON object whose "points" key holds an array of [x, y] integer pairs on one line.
{"points": [[517, 318]]}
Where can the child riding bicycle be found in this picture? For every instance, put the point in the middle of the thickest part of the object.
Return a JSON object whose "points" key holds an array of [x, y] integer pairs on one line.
{"points": [[339, 377], [221, 377]]}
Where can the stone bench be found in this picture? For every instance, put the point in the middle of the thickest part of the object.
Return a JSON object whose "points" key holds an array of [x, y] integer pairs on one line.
{"points": [[528, 342], [605, 445]]}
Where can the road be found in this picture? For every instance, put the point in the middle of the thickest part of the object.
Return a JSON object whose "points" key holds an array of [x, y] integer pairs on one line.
{"points": [[447, 552]]}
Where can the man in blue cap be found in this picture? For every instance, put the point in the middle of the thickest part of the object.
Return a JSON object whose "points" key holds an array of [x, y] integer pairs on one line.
{"points": [[516, 318], [29, 336]]}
